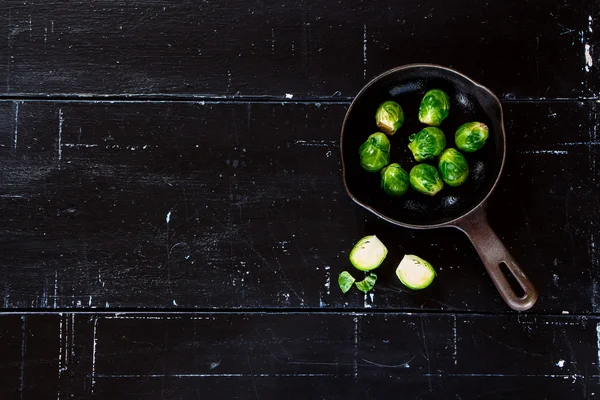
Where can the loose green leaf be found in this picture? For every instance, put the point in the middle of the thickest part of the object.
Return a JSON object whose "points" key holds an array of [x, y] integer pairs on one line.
{"points": [[434, 107], [375, 152], [425, 179], [368, 253], [345, 280], [414, 272], [471, 136], [367, 284], [453, 167], [389, 117], [427, 143], [394, 180]]}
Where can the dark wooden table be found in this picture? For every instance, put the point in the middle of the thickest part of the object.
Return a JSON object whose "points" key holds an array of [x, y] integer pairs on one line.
{"points": [[174, 219]]}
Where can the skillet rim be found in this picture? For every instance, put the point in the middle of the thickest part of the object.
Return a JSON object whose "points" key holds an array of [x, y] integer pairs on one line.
{"points": [[453, 222]]}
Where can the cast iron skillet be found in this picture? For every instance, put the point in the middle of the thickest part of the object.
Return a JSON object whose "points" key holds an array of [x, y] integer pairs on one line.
{"points": [[462, 207]]}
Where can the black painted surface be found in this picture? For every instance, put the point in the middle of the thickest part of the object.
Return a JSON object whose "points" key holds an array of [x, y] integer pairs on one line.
{"points": [[301, 355], [523, 49], [185, 157]]}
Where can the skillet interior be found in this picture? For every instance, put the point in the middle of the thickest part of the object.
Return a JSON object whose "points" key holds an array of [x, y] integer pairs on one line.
{"points": [[407, 85]]}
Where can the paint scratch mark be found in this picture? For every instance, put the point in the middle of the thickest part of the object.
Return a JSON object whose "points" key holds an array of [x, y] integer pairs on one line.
{"points": [[23, 353], [315, 143], [94, 343], [55, 287], [364, 51], [16, 134], [455, 340], [426, 355], [168, 218], [588, 58], [60, 351], [355, 366], [554, 152], [60, 127]]}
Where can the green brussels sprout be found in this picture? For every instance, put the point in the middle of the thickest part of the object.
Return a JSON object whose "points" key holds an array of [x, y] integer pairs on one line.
{"points": [[394, 180], [428, 143], [471, 136], [389, 117], [453, 167], [414, 272], [434, 108], [425, 179], [375, 152]]}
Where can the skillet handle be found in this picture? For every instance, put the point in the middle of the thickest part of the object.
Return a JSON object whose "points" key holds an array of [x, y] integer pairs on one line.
{"points": [[493, 253]]}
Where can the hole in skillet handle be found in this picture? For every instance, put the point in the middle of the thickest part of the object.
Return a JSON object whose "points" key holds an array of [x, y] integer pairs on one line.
{"points": [[512, 281], [407, 85]]}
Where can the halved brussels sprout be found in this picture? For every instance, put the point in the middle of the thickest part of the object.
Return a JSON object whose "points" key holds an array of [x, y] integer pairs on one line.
{"points": [[394, 180], [427, 144], [414, 272], [434, 108], [453, 167], [471, 136], [375, 152], [389, 117], [368, 253], [425, 179]]}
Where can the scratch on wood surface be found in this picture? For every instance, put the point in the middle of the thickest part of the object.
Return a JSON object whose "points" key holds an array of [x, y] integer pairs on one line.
{"points": [[426, 354], [224, 375], [60, 352], [23, 353], [60, 126], [94, 344], [252, 375], [455, 339], [355, 365], [315, 143], [55, 287], [16, 131], [364, 51], [598, 344], [554, 152]]}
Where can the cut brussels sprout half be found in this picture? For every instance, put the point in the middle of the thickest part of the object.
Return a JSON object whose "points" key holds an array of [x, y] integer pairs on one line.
{"points": [[427, 143], [394, 180], [368, 253], [414, 272], [434, 107], [389, 117], [375, 152], [367, 284], [453, 167], [425, 179], [345, 280], [471, 136]]}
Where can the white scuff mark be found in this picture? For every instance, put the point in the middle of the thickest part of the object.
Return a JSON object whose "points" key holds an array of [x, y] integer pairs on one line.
{"points": [[565, 312], [45, 35], [90, 301], [80, 145], [455, 340], [16, 135], [55, 287], [327, 268], [588, 58], [366, 301], [321, 303], [60, 126], [78, 303], [590, 24], [372, 296], [289, 96], [328, 282], [355, 349], [23, 353], [214, 365], [94, 343], [554, 152], [555, 279], [286, 296], [168, 218], [364, 51], [590, 143], [174, 302], [52, 26], [272, 40], [560, 363], [315, 143], [106, 305], [234, 375], [60, 346], [328, 154]]}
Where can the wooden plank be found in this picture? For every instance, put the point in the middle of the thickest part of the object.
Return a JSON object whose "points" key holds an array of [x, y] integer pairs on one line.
{"points": [[522, 49], [295, 355], [205, 205]]}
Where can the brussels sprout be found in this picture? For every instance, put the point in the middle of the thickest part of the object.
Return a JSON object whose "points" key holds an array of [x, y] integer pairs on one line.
{"points": [[428, 143], [414, 272], [434, 107], [425, 179], [389, 117], [394, 180], [368, 253], [345, 280], [453, 167], [375, 152], [471, 136], [367, 284]]}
